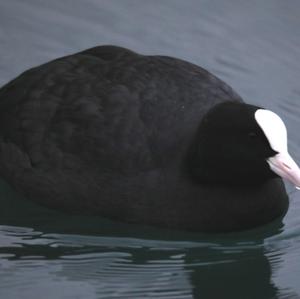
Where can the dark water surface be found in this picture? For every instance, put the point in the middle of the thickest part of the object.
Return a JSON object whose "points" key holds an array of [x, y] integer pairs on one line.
{"points": [[252, 45]]}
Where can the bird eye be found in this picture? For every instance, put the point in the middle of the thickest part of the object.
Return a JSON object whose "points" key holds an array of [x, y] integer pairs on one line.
{"points": [[252, 135]]}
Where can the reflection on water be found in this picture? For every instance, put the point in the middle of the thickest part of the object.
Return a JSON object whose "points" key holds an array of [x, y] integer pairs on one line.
{"points": [[254, 46], [132, 267], [96, 258]]}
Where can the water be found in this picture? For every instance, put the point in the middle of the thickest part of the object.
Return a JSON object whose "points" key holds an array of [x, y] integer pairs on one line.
{"points": [[252, 45]]}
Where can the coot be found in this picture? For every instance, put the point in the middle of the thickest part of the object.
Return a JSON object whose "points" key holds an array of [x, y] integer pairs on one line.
{"points": [[146, 139]]}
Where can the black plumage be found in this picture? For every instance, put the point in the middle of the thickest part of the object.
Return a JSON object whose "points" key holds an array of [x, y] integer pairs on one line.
{"points": [[110, 132]]}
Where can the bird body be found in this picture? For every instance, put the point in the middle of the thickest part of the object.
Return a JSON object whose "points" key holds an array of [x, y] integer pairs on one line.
{"points": [[111, 132]]}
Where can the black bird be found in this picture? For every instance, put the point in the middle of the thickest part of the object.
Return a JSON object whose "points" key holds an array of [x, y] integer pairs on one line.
{"points": [[146, 139]]}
